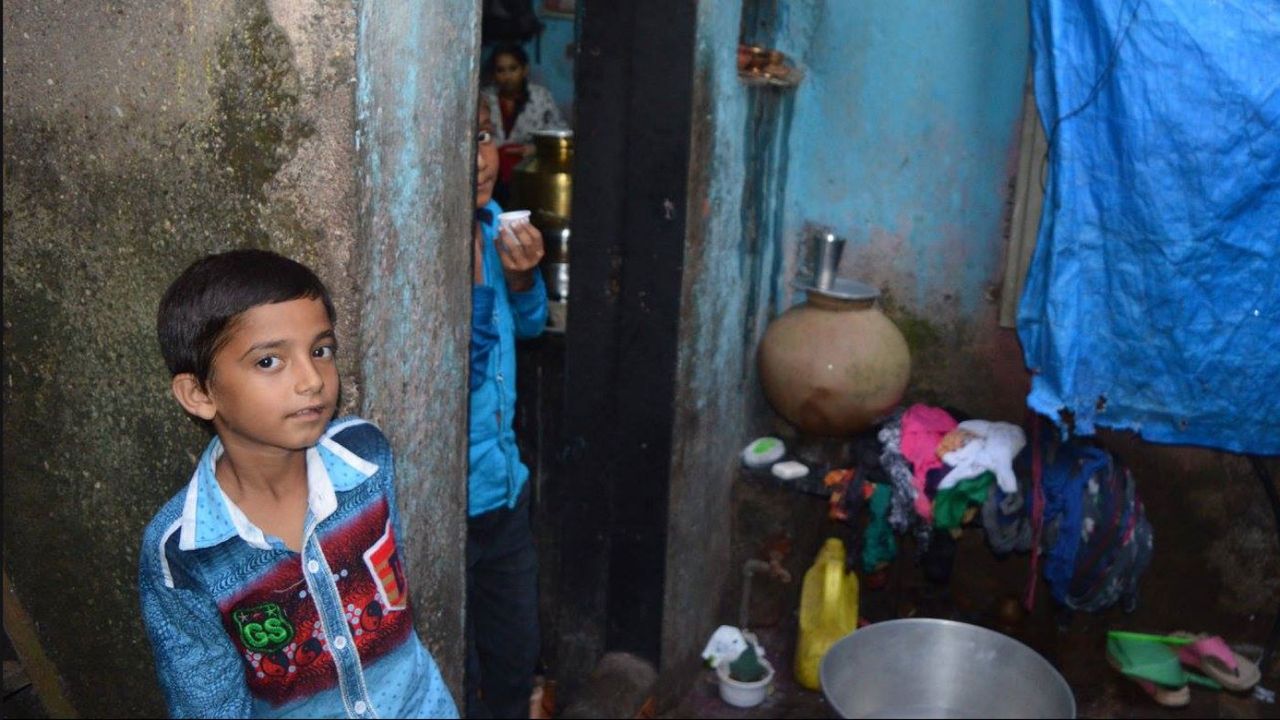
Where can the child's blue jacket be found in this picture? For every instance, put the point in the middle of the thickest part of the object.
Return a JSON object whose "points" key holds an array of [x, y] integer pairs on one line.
{"points": [[498, 317], [241, 626]]}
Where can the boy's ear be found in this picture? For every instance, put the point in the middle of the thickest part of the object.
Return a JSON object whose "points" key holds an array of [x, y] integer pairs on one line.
{"points": [[192, 396]]}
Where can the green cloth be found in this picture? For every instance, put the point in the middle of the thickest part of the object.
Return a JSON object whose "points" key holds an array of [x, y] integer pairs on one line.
{"points": [[878, 545], [949, 505]]}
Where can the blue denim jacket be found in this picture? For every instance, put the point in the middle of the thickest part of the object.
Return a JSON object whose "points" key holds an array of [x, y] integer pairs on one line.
{"points": [[242, 626], [498, 317]]}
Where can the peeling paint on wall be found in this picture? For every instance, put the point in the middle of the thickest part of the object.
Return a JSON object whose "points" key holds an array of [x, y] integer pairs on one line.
{"points": [[711, 363], [417, 76]]}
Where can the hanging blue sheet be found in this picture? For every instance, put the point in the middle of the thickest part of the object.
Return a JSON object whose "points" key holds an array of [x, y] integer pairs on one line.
{"points": [[1153, 298]]}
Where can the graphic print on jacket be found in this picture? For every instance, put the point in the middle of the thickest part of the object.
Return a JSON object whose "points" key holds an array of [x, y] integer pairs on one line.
{"points": [[274, 622]]}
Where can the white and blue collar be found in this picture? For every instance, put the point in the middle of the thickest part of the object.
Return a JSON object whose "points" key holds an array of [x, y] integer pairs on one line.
{"points": [[210, 517]]}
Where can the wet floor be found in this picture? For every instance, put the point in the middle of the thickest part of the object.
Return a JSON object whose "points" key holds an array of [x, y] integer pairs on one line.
{"points": [[1074, 644], [1215, 569]]}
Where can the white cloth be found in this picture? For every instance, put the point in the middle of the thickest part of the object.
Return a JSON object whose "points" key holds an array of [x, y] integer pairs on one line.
{"points": [[727, 643], [993, 447]]}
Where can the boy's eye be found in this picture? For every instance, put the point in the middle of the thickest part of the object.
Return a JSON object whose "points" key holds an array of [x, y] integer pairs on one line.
{"points": [[268, 362], [484, 137], [325, 351]]}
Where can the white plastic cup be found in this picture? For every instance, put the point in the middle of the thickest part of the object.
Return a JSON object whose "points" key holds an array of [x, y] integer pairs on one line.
{"points": [[511, 217]]}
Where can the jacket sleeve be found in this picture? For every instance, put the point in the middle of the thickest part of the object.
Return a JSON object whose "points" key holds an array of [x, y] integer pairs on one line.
{"points": [[200, 670], [529, 308]]}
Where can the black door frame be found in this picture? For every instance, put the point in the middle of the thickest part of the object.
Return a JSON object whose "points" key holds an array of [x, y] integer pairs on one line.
{"points": [[633, 94]]}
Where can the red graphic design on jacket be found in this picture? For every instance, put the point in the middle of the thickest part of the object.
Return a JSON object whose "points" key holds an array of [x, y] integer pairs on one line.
{"points": [[275, 625]]}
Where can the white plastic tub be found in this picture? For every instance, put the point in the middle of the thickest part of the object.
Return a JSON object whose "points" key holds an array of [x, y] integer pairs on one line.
{"points": [[744, 694]]}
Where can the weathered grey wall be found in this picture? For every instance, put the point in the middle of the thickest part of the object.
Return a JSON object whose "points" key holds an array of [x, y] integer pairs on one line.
{"points": [[139, 136], [711, 366], [416, 106]]}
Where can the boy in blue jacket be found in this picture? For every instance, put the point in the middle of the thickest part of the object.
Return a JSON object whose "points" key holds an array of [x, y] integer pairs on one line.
{"points": [[509, 301], [272, 585]]}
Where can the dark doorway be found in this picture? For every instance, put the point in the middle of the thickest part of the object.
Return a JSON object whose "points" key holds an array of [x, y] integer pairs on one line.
{"points": [[597, 404]]}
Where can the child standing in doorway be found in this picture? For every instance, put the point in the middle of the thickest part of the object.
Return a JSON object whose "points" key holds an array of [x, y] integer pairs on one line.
{"points": [[509, 301], [272, 585]]}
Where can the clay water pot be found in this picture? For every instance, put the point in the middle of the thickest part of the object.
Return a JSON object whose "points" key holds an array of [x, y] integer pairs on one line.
{"points": [[834, 364]]}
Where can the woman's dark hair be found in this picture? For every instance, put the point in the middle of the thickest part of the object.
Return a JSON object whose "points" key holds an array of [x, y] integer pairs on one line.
{"points": [[202, 304], [520, 56]]}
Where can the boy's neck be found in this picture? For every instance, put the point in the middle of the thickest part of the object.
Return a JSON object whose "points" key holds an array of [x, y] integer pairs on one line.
{"points": [[248, 473]]}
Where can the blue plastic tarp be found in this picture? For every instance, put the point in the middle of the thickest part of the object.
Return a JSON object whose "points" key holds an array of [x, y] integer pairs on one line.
{"points": [[1153, 297]]}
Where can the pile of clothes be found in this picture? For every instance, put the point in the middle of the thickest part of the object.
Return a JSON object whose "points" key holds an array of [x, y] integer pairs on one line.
{"points": [[923, 472]]}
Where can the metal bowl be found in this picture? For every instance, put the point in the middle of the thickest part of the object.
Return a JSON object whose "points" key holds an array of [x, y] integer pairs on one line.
{"points": [[930, 668]]}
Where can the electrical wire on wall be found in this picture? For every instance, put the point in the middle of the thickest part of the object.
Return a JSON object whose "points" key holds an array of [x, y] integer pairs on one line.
{"points": [[1093, 91]]}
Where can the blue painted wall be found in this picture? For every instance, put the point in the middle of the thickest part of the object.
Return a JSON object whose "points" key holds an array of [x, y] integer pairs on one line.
{"points": [[902, 138], [415, 99], [554, 70]]}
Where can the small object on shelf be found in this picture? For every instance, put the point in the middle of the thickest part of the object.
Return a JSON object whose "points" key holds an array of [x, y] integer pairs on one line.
{"points": [[790, 470], [763, 452], [766, 66]]}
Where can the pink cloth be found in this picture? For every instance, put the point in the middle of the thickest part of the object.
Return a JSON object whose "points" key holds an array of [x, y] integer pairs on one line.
{"points": [[922, 429]]}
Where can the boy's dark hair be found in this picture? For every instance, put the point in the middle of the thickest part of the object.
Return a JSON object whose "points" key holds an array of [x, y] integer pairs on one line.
{"points": [[202, 303]]}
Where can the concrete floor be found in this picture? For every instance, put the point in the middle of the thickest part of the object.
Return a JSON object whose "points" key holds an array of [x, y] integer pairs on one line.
{"points": [[1076, 651], [1182, 590]]}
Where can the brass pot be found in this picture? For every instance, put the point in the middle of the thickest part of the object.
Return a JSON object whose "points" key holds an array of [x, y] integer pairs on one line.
{"points": [[543, 182]]}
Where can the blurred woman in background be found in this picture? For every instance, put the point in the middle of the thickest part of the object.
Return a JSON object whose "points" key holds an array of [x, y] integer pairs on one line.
{"points": [[519, 108]]}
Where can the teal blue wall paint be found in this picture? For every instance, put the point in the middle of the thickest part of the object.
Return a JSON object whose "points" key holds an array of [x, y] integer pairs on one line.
{"points": [[415, 104], [899, 137], [711, 367], [555, 69], [903, 139]]}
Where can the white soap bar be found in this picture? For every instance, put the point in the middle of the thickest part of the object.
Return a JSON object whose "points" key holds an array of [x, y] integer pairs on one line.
{"points": [[763, 451], [790, 470]]}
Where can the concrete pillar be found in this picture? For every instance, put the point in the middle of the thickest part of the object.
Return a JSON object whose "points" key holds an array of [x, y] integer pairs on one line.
{"points": [[416, 103]]}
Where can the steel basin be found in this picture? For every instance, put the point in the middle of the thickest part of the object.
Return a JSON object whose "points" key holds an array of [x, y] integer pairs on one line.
{"points": [[931, 668]]}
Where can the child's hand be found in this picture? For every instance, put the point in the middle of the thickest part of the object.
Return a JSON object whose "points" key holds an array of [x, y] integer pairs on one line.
{"points": [[520, 248]]}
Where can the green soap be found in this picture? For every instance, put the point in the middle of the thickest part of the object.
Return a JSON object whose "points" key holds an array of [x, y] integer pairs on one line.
{"points": [[763, 451], [747, 667]]}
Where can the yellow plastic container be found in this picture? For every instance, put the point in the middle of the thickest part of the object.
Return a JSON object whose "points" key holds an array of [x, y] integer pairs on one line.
{"points": [[828, 610]]}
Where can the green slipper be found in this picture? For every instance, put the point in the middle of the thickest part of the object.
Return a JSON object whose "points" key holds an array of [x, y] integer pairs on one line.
{"points": [[1153, 661]]}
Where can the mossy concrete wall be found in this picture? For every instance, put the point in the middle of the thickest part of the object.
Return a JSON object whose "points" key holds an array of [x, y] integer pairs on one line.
{"points": [[137, 137]]}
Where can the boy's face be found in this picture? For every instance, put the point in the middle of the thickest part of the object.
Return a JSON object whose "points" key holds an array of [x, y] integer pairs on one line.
{"points": [[274, 382], [486, 155]]}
